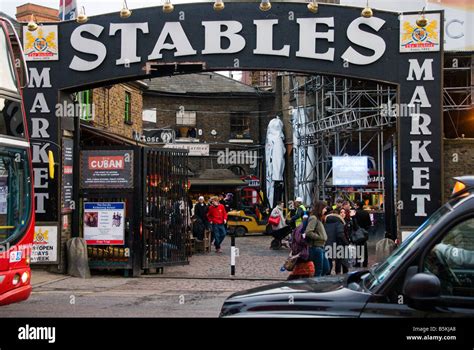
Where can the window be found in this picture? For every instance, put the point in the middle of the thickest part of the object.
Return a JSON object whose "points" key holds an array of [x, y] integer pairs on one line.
{"points": [[15, 193], [86, 104], [128, 108], [186, 118], [11, 118], [239, 127], [394, 261], [7, 72], [452, 260], [266, 79]]}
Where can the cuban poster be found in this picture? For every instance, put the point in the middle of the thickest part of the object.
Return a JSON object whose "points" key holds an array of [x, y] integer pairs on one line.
{"points": [[41, 44], [104, 223], [45, 245], [414, 38], [107, 169]]}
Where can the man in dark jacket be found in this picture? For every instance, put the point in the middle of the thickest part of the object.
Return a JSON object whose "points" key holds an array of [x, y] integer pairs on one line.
{"points": [[362, 218], [200, 212], [336, 242]]}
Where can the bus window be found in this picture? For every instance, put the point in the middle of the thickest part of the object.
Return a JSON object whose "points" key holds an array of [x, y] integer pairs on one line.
{"points": [[14, 193], [7, 72], [11, 118]]}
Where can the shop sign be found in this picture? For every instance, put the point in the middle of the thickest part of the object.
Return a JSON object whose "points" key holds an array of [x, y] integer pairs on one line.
{"points": [[107, 169], [414, 38], [195, 150], [41, 44], [45, 245], [67, 175]]}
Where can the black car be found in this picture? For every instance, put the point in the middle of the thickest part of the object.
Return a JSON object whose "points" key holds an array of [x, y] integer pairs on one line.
{"points": [[431, 274]]}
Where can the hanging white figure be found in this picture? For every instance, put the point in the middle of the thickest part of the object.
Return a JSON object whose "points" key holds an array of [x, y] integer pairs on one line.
{"points": [[304, 157], [274, 156]]}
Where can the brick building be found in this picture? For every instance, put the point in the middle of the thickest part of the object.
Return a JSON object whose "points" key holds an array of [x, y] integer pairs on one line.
{"points": [[41, 13], [212, 113], [116, 109]]}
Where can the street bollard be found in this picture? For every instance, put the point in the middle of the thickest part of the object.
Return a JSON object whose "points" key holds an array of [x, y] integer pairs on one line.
{"points": [[232, 255]]}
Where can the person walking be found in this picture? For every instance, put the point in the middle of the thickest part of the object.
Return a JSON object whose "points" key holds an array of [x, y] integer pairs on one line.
{"points": [[297, 219], [300, 254], [316, 236], [200, 213], [337, 241], [217, 217], [362, 218], [278, 214], [280, 230]]}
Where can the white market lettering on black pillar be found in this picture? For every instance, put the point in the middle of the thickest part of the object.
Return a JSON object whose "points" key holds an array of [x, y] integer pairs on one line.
{"points": [[38, 113], [420, 126], [335, 41]]}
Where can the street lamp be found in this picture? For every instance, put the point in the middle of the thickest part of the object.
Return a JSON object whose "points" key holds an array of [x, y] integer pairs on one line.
{"points": [[32, 25], [313, 6], [218, 5], [265, 5], [125, 12], [422, 21], [168, 6], [82, 18], [367, 11]]}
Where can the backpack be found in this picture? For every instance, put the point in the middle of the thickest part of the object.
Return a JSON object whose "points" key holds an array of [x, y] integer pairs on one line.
{"points": [[298, 245]]}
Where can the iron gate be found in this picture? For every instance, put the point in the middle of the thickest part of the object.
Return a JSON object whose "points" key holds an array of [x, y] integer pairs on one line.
{"points": [[166, 211]]}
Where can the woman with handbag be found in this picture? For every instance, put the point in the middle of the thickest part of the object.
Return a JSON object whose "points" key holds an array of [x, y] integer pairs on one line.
{"points": [[279, 228], [299, 262], [316, 238], [277, 217]]}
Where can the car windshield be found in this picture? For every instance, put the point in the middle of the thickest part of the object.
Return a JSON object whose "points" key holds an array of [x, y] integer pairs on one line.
{"points": [[382, 271]]}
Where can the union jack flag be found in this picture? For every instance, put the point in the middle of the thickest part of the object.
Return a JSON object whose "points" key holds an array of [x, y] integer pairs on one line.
{"points": [[67, 9]]}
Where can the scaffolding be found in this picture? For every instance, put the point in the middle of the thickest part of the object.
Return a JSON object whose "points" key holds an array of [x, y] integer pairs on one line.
{"points": [[458, 94], [333, 117]]}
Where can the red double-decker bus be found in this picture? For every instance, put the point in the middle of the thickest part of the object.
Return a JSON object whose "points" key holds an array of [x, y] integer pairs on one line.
{"points": [[17, 220]]}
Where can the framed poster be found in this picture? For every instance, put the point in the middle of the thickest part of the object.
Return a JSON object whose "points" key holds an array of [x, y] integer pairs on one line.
{"points": [[104, 223]]}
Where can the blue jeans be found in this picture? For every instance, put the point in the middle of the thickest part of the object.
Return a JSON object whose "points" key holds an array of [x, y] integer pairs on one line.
{"points": [[321, 263], [219, 234]]}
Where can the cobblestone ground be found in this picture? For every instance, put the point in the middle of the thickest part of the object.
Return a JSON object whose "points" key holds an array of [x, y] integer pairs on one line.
{"points": [[255, 261], [194, 290]]}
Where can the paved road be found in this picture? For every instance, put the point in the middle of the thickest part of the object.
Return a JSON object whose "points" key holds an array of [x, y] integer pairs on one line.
{"points": [[194, 290], [125, 297]]}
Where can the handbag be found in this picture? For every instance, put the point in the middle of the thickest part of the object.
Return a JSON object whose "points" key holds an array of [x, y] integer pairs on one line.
{"points": [[360, 236], [274, 221], [290, 262]]}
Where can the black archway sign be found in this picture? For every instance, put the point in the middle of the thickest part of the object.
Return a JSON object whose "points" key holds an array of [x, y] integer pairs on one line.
{"points": [[388, 47]]}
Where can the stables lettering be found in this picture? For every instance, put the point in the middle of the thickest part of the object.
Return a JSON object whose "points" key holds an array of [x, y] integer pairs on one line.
{"points": [[86, 39]]}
